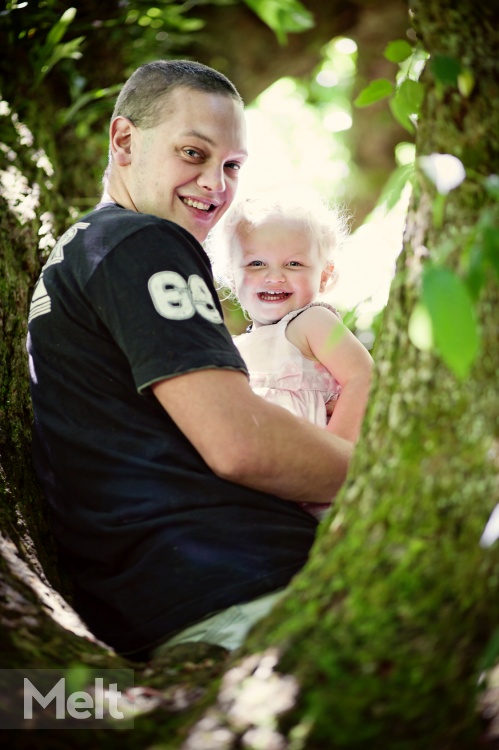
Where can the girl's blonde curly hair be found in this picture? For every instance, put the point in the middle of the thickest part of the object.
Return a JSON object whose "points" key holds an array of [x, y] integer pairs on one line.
{"points": [[327, 225]]}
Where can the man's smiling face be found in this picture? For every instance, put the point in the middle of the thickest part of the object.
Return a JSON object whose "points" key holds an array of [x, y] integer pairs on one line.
{"points": [[186, 168]]}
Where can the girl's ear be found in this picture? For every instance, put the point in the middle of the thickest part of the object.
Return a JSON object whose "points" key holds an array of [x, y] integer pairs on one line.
{"points": [[326, 275], [120, 139]]}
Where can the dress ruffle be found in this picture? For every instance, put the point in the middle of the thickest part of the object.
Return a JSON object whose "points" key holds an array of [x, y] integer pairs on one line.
{"points": [[281, 374]]}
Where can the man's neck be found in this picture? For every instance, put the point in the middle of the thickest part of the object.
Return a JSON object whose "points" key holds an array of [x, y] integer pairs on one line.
{"points": [[108, 198], [115, 192]]}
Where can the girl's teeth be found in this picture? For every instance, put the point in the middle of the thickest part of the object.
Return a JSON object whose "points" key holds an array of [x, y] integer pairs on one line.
{"points": [[273, 295]]}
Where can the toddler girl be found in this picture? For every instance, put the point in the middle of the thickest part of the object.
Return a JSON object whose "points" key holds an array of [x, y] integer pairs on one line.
{"points": [[277, 254]]}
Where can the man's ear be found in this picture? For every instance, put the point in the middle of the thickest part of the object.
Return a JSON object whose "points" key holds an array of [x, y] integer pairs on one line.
{"points": [[326, 275], [120, 139]]}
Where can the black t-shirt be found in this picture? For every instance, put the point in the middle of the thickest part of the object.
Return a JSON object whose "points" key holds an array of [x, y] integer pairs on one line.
{"points": [[153, 538]]}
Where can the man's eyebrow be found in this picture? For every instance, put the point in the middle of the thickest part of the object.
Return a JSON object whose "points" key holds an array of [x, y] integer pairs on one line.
{"points": [[207, 139]]}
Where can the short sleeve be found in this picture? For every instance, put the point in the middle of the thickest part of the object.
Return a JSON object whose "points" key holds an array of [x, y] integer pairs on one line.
{"points": [[154, 292]]}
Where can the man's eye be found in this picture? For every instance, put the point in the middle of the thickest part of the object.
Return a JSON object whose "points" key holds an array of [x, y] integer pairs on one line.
{"points": [[192, 153], [233, 165]]}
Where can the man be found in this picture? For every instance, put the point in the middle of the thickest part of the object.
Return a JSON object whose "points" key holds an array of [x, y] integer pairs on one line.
{"points": [[174, 490]]}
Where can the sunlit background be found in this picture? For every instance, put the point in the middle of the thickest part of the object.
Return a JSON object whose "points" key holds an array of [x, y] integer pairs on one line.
{"points": [[295, 142]]}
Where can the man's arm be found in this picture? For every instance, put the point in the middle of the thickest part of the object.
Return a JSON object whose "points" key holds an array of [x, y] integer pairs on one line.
{"points": [[249, 441]]}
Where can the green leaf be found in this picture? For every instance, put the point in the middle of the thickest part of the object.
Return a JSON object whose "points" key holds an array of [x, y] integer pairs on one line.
{"points": [[466, 82], [374, 92], [61, 52], [399, 111], [189, 25], [407, 101], [59, 29], [452, 316], [398, 51], [420, 328], [491, 246], [88, 97], [438, 209], [445, 69], [475, 276], [410, 95], [394, 186], [492, 186], [283, 16]]}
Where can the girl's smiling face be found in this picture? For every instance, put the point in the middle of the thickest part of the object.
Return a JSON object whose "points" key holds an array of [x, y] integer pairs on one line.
{"points": [[277, 268]]}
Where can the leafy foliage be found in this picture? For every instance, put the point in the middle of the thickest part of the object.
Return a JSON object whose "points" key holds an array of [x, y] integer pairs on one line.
{"points": [[452, 316], [49, 54], [398, 51], [406, 94], [374, 92], [445, 69], [407, 102], [282, 16], [445, 319]]}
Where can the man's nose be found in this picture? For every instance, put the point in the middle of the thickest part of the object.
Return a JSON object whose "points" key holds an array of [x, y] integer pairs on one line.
{"points": [[213, 179]]}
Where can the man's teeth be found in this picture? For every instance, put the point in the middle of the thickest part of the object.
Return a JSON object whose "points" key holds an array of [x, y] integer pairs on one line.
{"points": [[196, 204]]}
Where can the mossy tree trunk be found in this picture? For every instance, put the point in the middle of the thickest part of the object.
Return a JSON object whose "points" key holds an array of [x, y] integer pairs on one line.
{"points": [[380, 639]]}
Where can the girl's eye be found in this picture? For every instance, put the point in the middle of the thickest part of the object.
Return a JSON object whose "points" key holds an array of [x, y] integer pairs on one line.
{"points": [[256, 263], [294, 263]]}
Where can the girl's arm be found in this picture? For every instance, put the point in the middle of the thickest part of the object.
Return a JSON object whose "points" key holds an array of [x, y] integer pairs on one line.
{"points": [[320, 335]]}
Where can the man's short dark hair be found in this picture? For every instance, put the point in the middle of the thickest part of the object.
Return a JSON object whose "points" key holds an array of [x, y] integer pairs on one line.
{"points": [[142, 98]]}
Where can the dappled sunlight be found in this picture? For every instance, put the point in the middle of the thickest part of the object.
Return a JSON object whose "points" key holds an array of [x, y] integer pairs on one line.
{"points": [[252, 693], [337, 121], [4, 108], [43, 162], [24, 133], [46, 232], [281, 128], [366, 265], [444, 170], [26, 613], [22, 199], [251, 698], [295, 142], [293, 125]]}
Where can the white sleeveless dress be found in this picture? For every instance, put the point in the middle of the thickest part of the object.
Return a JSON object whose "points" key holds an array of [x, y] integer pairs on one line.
{"points": [[281, 374]]}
